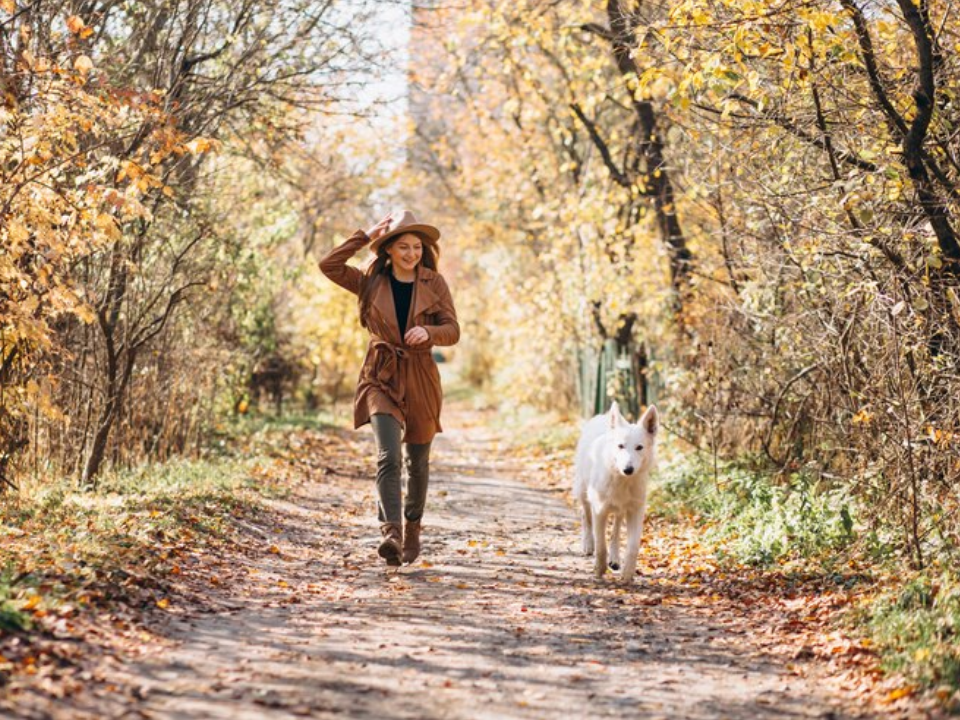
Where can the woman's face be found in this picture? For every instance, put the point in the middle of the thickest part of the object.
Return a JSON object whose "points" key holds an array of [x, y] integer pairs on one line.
{"points": [[405, 252]]}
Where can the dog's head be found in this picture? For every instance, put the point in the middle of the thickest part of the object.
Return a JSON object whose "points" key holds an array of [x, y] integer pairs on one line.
{"points": [[634, 443]]}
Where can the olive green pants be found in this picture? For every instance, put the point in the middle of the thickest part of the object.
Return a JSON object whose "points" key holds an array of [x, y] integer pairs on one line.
{"points": [[388, 433]]}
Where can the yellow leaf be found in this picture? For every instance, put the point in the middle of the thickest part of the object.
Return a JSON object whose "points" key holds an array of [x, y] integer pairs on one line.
{"points": [[75, 24], [200, 145], [130, 170], [9, 6], [163, 603], [17, 232], [83, 64], [32, 602], [900, 692], [107, 224], [84, 312], [274, 549]]}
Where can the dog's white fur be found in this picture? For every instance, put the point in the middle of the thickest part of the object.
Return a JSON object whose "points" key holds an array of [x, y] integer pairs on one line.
{"points": [[613, 463]]}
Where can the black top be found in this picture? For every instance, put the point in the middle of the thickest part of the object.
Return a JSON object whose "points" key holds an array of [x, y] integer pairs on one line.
{"points": [[402, 295]]}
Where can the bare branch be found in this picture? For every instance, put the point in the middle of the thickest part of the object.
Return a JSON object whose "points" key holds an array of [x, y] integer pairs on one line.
{"points": [[616, 173]]}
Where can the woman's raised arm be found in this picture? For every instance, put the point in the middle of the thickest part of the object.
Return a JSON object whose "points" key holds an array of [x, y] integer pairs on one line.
{"points": [[334, 263]]}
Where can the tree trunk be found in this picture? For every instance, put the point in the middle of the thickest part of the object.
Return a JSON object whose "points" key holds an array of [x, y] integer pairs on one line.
{"points": [[656, 177]]}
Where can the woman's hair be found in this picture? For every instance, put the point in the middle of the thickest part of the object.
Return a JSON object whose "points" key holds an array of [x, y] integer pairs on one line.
{"points": [[381, 266]]}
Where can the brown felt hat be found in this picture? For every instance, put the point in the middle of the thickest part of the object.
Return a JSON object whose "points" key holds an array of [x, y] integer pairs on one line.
{"points": [[404, 221]]}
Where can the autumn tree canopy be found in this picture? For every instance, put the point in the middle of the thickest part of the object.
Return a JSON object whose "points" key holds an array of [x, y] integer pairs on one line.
{"points": [[128, 132], [764, 194]]}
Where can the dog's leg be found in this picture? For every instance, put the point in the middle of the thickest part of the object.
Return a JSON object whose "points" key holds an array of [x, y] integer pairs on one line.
{"points": [[615, 543], [634, 532], [586, 526], [600, 542]]}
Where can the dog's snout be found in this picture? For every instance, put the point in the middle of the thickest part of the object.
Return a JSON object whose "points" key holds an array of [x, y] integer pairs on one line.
{"points": [[628, 470]]}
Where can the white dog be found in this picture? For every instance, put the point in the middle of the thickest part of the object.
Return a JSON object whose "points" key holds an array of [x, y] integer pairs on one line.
{"points": [[613, 463]]}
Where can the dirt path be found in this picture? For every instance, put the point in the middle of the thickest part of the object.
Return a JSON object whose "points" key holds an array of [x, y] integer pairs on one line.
{"points": [[501, 620]]}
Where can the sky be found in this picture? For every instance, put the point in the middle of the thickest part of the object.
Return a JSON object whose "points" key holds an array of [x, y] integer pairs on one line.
{"points": [[383, 97], [390, 27]]}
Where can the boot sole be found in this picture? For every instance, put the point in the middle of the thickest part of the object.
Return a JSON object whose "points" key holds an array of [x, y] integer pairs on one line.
{"points": [[390, 553]]}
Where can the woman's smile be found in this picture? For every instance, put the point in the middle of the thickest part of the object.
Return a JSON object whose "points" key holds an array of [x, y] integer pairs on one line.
{"points": [[405, 253]]}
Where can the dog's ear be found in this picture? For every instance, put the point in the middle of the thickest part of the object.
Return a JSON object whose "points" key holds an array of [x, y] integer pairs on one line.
{"points": [[651, 420], [614, 415]]}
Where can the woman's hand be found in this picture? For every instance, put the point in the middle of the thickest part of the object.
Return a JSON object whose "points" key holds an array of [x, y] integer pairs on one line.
{"points": [[380, 228], [416, 336]]}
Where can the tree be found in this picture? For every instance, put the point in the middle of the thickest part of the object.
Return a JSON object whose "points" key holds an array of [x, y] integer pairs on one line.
{"points": [[113, 113]]}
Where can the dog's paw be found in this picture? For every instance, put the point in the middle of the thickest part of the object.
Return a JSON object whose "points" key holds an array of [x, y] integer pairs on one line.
{"points": [[614, 565]]}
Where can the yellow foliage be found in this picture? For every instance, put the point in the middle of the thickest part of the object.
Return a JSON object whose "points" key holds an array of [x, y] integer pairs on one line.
{"points": [[61, 195], [83, 64]]}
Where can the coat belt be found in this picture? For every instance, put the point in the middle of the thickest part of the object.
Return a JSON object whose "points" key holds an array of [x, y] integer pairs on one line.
{"points": [[386, 368]]}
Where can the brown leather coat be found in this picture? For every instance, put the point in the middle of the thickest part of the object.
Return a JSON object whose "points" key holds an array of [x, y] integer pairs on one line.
{"points": [[396, 378]]}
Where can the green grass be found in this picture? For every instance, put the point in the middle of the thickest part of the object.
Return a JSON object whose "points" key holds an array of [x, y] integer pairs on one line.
{"points": [[457, 391], [916, 627], [12, 618], [754, 519], [68, 545], [235, 434]]}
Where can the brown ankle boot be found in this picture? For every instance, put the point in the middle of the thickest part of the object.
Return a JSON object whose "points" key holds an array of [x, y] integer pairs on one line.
{"points": [[389, 548], [411, 541]]}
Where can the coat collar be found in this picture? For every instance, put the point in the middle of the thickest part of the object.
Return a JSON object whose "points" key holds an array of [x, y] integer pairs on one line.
{"points": [[423, 297], [424, 294]]}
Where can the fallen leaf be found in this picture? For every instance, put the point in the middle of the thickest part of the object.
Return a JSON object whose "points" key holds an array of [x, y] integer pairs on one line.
{"points": [[32, 602], [900, 692]]}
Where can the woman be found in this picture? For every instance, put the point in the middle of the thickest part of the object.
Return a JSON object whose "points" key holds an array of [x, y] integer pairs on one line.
{"points": [[406, 306]]}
